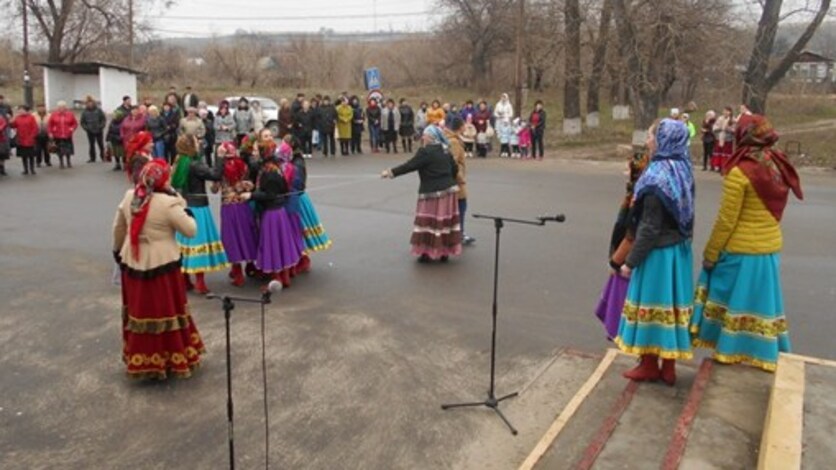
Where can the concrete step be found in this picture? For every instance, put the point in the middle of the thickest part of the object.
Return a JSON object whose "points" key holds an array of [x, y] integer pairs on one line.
{"points": [[712, 419]]}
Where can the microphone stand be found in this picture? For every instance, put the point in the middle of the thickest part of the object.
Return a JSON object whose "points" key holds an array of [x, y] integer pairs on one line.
{"points": [[228, 304], [492, 401]]}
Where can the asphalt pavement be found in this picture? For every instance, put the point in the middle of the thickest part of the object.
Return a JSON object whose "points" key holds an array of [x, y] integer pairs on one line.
{"points": [[362, 350]]}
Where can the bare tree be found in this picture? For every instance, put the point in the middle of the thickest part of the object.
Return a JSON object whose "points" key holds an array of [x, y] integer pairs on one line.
{"points": [[572, 85], [485, 26], [758, 80], [599, 57], [74, 29]]}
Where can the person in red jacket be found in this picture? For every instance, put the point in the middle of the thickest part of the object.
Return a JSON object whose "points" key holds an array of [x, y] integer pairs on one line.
{"points": [[27, 134], [62, 123]]}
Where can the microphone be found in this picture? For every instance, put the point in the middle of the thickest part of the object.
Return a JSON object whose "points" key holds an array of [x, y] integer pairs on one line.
{"points": [[552, 218], [274, 286]]}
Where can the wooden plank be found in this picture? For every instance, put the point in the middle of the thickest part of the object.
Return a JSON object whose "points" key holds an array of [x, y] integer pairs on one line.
{"points": [[676, 448], [809, 359], [782, 436], [563, 418]]}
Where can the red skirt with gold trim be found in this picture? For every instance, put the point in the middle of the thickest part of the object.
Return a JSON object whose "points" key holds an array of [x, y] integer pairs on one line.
{"points": [[158, 332]]}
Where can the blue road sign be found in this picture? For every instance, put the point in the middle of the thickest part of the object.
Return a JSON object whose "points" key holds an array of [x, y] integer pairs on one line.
{"points": [[373, 79]]}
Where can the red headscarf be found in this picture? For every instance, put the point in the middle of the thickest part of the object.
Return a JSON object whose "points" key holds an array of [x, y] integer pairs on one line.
{"points": [[768, 169], [135, 148], [235, 168], [153, 178]]}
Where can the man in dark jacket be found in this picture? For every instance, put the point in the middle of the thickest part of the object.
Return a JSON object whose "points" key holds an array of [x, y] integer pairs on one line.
{"points": [[190, 99], [114, 132], [93, 122], [327, 122]]}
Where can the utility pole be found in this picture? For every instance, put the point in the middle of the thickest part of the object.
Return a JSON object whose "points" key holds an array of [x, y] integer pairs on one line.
{"points": [[131, 33], [28, 99], [518, 73]]}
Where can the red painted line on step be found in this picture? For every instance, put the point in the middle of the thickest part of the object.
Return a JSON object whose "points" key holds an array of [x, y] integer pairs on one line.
{"points": [[607, 427], [679, 440]]}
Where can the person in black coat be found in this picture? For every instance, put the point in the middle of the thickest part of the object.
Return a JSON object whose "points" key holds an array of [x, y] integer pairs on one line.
{"points": [[407, 130], [537, 121], [209, 122], [357, 126], [304, 126], [93, 121], [327, 122]]}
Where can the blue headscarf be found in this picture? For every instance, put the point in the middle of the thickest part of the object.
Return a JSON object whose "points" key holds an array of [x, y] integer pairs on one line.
{"points": [[436, 136], [669, 176]]}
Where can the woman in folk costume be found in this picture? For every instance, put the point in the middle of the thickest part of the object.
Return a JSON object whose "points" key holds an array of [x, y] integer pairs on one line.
{"points": [[656, 315], [612, 299], [238, 228], [437, 233], [138, 151], [313, 233], [724, 139], [280, 246], [205, 252], [739, 304], [159, 334]]}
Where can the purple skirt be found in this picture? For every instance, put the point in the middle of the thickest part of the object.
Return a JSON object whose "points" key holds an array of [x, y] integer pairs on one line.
{"points": [[612, 303], [280, 246], [238, 232]]}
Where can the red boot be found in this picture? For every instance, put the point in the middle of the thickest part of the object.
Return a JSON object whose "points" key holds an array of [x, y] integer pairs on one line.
{"points": [[669, 371], [646, 371], [304, 264], [237, 275], [283, 277], [200, 284], [188, 280]]}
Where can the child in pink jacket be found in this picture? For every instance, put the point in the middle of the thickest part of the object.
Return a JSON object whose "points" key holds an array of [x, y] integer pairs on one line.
{"points": [[524, 135]]}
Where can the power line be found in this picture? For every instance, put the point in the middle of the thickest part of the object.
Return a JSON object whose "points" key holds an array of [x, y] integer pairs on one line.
{"points": [[298, 18]]}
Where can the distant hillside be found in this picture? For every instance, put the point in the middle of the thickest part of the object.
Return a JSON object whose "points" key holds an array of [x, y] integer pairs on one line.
{"points": [[824, 42], [196, 44]]}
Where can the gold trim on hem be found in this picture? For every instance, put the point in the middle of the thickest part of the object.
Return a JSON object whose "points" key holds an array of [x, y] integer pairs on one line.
{"points": [[654, 350]]}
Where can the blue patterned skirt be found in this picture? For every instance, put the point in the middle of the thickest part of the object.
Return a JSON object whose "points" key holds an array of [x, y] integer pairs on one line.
{"points": [[204, 252], [659, 305], [740, 310]]}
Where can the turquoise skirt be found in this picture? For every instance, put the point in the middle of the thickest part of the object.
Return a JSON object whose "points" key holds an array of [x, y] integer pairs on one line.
{"points": [[740, 311], [204, 252], [659, 305]]}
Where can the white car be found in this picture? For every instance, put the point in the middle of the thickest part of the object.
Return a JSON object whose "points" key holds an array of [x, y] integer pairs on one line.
{"points": [[268, 106]]}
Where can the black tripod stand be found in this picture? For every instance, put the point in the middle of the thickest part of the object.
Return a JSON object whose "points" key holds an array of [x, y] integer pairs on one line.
{"points": [[228, 306], [492, 401]]}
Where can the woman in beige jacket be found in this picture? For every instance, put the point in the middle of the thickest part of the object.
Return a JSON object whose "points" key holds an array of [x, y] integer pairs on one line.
{"points": [[159, 335]]}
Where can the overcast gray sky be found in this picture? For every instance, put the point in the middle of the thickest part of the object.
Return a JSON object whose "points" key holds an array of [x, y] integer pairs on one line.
{"points": [[207, 17]]}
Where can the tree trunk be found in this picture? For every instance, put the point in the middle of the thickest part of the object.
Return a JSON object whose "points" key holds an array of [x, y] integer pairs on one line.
{"points": [[479, 65], [758, 81], [571, 90], [593, 91]]}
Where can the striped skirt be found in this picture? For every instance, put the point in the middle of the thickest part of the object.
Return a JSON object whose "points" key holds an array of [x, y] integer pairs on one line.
{"points": [[204, 252], [659, 305], [739, 311], [437, 231], [316, 239]]}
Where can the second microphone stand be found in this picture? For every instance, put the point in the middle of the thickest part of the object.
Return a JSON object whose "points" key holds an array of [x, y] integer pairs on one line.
{"points": [[492, 401], [228, 304]]}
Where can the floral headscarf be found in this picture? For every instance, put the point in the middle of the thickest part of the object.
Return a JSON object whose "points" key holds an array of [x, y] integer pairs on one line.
{"points": [[153, 178], [669, 176]]}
